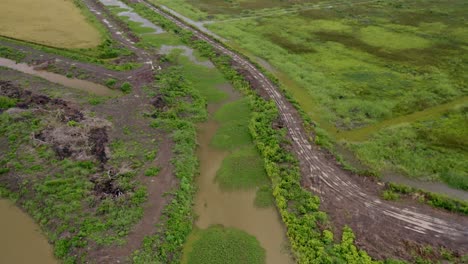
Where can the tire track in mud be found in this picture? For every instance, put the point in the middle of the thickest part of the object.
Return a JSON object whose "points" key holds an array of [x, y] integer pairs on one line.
{"points": [[383, 228], [104, 15]]}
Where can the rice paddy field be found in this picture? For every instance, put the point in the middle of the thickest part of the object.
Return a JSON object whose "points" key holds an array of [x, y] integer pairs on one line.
{"points": [[385, 79], [57, 23]]}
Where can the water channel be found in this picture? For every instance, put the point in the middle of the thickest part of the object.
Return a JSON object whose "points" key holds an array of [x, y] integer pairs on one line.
{"points": [[236, 209], [83, 85], [21, 240]]}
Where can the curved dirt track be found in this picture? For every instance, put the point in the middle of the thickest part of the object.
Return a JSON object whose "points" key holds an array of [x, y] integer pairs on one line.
{"points": [[382, 228]]}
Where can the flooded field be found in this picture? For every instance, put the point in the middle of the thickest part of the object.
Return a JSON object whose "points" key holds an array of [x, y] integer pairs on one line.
{"points": [[186, 51], [86, 86], [234, 208], [132, 16], [21, 240], [61, 24]]}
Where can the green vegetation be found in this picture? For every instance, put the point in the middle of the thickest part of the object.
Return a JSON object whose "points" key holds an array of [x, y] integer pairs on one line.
{"points": [[111, 82], [179, 118], [71, 208], [151, 172], [225, 245], [358, 69], [104, 54], [394, 191], [6, 102], [233, 131], [390, 195], [299, 209], [11, 54], [126, 87], [431, 150], [264, 197], [242, 169], [308, 228], [95, 100]]}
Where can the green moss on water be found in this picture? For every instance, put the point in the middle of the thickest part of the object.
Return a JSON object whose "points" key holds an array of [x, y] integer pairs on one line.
{"points": [[225, 245], [264, 197], [233, 131], [242, 169]]}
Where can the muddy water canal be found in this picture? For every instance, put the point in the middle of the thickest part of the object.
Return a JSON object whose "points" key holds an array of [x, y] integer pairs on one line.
{"points": [[21, 240], [234, 209], [83, 85]]}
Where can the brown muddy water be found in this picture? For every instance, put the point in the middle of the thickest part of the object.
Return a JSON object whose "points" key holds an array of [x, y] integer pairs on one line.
{"points": [[83, 85], [235, 209], [21, 241]]}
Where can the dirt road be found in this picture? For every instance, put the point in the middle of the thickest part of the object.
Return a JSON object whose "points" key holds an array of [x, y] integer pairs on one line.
{"points": [[383, 228]]}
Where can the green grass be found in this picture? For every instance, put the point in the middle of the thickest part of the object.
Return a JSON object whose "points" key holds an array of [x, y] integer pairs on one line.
{"points": [[233, 131], [6, 102], [243, 169], [217, 245], [264, 197], [11, 54], [205, 80], [358, 69], [126, 87], [152, 172], [430, 150], [59, 195]]}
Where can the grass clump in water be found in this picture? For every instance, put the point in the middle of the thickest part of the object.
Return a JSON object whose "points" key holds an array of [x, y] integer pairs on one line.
{"points": [[264, 197], [226, 245], [234, 131], [241, 170]]}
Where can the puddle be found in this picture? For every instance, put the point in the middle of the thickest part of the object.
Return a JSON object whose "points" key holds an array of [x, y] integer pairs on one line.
{"points": [[236, 209], [21, 240], [132, 15], [83, 85], [435, 187], [186, 51]]}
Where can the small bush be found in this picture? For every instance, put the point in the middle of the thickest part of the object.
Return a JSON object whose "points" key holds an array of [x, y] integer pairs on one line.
{"points": [[126, 87], [72, 123], [264, 197], [152, 172], [389, 195], [6, 102], [111, 82], [95, 100]]}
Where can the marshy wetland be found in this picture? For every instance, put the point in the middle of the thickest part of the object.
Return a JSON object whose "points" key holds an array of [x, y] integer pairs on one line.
{"points": [[371, 74], [138, 139]]}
